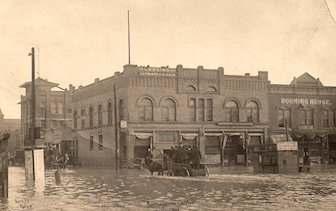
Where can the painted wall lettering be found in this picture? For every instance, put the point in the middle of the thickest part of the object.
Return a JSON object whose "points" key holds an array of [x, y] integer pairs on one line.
{"points": [[305, 101]]}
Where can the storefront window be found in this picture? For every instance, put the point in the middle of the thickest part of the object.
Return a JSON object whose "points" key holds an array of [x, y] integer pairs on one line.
{"points": [[212, 145]]}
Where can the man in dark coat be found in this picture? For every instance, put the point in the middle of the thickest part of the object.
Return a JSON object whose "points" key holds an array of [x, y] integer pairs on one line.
{"points": [[184, 155], [196, 156]]}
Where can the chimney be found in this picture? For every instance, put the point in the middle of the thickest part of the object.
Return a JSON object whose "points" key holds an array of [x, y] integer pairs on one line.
{"points": [[96, 80], [247, 74]]}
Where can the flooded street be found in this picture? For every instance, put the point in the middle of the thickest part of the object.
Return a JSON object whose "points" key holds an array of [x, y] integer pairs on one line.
{"points": [[107, 189]]}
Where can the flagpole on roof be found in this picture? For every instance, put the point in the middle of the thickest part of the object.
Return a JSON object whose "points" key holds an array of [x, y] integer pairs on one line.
{"points": [[129, 39]]}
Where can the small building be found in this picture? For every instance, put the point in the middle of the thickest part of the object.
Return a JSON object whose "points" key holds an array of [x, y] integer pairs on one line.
{"points": [[280, 155]]}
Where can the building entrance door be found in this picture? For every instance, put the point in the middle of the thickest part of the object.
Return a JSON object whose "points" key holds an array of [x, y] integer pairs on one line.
{"points": [[234, 152]]}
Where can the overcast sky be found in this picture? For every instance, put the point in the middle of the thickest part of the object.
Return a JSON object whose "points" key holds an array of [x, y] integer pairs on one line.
{"points": [[80, 40]]}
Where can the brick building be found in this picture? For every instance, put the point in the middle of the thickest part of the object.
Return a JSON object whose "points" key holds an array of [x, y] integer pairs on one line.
{"points": [[51, 113], [308, 108], [224, 115]]}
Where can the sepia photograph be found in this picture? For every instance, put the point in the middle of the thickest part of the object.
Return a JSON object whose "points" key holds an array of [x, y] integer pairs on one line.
{"points": [[167, 105]]}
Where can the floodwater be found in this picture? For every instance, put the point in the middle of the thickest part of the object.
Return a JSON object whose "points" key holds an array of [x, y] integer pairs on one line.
{"points": [[136, 189]]}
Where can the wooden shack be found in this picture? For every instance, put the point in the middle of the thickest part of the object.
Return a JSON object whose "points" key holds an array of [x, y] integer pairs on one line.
{"points": [[278, 156]]}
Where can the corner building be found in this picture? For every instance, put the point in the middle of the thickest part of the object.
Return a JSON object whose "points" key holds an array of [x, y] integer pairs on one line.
{"points": [[157, 108]]}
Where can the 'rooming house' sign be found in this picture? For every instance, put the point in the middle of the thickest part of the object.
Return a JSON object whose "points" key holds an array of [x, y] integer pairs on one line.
{"points": [[305, 101]]}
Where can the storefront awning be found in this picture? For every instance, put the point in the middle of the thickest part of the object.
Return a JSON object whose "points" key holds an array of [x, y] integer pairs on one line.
{"points": [[189, 136], [143, 136]]}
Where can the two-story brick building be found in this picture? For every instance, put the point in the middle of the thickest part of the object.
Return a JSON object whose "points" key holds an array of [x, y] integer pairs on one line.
{"points": [[166, 107], [51, 113], [308, 109]]}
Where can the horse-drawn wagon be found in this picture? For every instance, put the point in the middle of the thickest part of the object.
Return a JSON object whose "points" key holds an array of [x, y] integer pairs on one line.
{"points": [[165, 166]]}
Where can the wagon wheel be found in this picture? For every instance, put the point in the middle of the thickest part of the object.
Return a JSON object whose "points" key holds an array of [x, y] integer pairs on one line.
{"points": [[170, 172], [187, 171], [206, 171]]}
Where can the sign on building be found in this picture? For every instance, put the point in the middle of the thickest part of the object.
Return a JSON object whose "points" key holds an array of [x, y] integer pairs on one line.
{"points": [[123, 124]]}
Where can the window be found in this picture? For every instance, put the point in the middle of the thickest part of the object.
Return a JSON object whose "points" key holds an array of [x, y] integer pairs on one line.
{"points": [[83, 118], [328, 119], [121, 110], [252, 111], [109, 112], [42, 108], [284, 117], [145, 110], [211, 89], [168, 110], [60, 108], [100, 115], [53, 107], [190, 88], [100, 146], [231, 111], [209, 110], [91, 116], [306, 116], [91, 142], [212, 145], [75, 119], [201, 110], [192, 108]]}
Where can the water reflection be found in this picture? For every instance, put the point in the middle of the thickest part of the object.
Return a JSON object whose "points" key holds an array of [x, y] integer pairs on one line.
{"points": [[107, 189]]}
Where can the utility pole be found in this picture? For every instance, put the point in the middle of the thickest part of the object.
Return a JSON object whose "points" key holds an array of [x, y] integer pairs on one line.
{"points": [[32, 141], [34, 156], [116, 123]]}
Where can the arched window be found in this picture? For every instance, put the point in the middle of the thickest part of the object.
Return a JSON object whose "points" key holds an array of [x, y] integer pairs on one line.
{"points": [[168, 110], [109, 112], [83, 118], [190, 88], [231, 111], [145, 110], [252, 111], [75, 119], [211, 89], [91, 116], [100, 115]]}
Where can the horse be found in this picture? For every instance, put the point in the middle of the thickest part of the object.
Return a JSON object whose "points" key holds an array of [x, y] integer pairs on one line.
{"points": [[154, 166]]}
